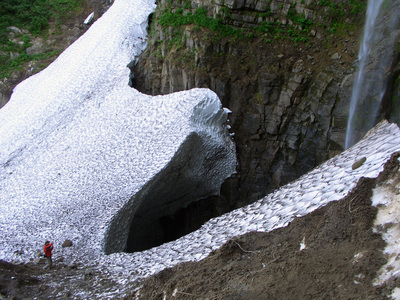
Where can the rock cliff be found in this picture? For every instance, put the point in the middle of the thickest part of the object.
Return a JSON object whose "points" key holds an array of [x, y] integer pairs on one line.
{"points": [[285, 69]]}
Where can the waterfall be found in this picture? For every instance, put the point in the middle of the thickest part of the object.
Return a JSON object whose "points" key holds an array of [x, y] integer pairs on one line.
{"points": [[374, 65]]}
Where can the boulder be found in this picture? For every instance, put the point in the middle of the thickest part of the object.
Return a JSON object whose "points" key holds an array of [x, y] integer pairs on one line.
{"points": [[67, 243]]}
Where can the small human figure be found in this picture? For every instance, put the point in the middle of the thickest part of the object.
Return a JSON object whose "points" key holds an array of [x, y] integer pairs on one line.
{"points": [[48, 247]]}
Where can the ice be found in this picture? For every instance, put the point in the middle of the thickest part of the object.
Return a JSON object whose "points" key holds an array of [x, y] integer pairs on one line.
{"points": [[388, 201], [89, 18], [78, 144], [303, 244], [381, 196]]}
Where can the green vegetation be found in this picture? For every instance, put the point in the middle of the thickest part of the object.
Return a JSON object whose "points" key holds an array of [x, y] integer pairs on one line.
{"points": [[257, 99], [297, 31], [337, 12], [329, 18], [199, 17], [218, 27], [33, 16], [356, 6], [187, 4]]}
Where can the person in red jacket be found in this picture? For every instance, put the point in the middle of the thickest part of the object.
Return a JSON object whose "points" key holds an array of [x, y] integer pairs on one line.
{"points": [[47, 248]]}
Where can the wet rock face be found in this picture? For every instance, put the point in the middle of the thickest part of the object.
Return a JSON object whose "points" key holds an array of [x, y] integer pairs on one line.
{"points": [[289, 102]]}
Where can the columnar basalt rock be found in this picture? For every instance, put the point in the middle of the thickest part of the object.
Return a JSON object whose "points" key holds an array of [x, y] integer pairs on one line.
{"points": [[289, 101]]}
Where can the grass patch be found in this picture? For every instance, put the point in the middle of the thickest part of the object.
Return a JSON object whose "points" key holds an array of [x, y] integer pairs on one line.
{"points": [[339, 12], [33, 16], [218, 27], [18, 62], [199, 18]]}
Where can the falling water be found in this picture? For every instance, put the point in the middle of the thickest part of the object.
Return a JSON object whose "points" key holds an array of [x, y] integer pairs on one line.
{"points": [[375, 56]]}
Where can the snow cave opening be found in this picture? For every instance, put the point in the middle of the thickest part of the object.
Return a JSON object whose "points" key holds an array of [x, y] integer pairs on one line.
{"points": [[146, 233], [181, 198]]}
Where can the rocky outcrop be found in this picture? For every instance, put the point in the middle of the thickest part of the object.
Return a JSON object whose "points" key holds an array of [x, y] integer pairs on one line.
{"points": [[289, 99], [44, 49], [100, 7]]}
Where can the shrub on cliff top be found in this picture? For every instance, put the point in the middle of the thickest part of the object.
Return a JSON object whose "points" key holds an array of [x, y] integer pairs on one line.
{"points": [[33, 16]]}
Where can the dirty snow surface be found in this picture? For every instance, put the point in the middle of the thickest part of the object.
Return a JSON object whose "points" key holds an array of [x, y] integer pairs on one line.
{"points": [[78, 144], [330, 181]]}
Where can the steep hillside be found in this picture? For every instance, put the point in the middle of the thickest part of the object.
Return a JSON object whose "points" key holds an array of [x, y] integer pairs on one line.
{"points": [[32, 38], [332, 253]]}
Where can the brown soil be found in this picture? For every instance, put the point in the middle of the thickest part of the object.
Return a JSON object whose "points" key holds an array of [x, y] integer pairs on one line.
{"points": [[33, 281], [340, 261]]}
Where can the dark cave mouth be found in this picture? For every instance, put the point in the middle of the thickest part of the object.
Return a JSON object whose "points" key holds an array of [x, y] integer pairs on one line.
{"points": [[146, 233], [176, 201]]}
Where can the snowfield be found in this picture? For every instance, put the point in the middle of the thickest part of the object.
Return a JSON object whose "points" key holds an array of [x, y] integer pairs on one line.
{"points": [[78, 145], [81, 151]]}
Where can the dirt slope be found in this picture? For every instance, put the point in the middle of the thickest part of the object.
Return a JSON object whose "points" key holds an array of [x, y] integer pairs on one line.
{"points": [[330, 253], [340, 258]]}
